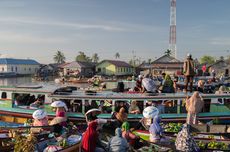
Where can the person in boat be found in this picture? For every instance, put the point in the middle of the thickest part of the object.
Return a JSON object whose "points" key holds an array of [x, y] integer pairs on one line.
{"points": [[90, 138], [148, 84], [121, 104], [189, 72], [96, 82], [138, 87], [155, 130], [87, 106], [91, 116], [185, 141], [40, 119], [200, 86], [38, 103], [143, 124], [194, 105], [167, 85], [134, 109], [120, 117], [221, 90], [61, 117], [132, 139], [175, 80], [118, 143]]}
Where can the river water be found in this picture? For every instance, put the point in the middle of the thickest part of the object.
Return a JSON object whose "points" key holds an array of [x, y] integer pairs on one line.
{"points": [[28, 80]]}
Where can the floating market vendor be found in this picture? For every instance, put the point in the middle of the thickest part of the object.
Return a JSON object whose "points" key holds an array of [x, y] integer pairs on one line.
{"points": [[138, 86], [118, 143], [185, 142], [149, 113], [132, 139], [167, 85], [134, 109], [40, 119], [61, 117], [120, 117], [90, 138], [194, 105], [155, 130]]}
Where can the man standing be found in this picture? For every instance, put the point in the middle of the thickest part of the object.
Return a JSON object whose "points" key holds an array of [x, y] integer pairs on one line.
{"points": [[189, 72]]}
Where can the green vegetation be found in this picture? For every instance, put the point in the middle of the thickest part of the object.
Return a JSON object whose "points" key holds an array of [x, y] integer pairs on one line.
{"points": [[207, 59], [82, 57], [59, 57], [172, 127]]}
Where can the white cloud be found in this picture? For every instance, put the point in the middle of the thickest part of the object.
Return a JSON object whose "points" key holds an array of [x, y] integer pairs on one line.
{"points": [[111, 26], [220, 41], [25, 38]]}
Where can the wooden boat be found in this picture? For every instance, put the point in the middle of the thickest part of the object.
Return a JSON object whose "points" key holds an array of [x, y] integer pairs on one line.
{"points": [[144, 135], [217, 107], [42, 140]]}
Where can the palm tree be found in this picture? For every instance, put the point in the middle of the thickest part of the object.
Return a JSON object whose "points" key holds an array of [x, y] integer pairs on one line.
{"points": [[168, 52], [95, 57], [59, 57], [149, 61], [117, 55]]}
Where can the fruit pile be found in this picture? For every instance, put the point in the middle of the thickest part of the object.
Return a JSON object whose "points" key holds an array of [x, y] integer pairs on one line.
{"points": [[172, 127], [213, 145], [217, 145]]}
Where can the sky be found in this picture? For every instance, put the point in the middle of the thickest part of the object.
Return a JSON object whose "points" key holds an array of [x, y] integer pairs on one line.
{"points": [[37, 29]]}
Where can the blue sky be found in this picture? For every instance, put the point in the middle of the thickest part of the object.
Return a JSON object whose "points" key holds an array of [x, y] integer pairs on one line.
{"points": [[38, 28]]}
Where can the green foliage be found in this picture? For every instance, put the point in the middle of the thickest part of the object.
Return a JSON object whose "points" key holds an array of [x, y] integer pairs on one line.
{"points": [[207, 59], [59, 57], [95, 57], [117, 55], [168, 52], [172, 127], [82, 57]]}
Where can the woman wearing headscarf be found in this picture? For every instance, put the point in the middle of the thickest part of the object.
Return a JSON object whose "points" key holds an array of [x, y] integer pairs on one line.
{"points": [[134, 109], [194, 105], [167, 84], [129, 136], [155, 130], [90, 138], [118, 143], [221, 90]]}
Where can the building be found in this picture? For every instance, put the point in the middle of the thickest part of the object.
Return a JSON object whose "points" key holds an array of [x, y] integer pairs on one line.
{"points": [[47, 70], [18, 66], [114, 67], [221, 67], [164, 64], [77, 68]]}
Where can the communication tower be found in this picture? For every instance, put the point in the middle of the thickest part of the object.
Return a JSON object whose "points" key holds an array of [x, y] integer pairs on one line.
{"points": [[172, 33]]}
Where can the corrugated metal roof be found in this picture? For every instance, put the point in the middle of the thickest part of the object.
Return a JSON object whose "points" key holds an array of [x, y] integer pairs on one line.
{"points": [[118, 63], [79, 64], [18, 61]]}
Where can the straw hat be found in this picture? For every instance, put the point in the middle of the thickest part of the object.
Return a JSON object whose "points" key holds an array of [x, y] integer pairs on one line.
{"points": [[93, 110], [39, 114], [150, 112], [57, 120]]}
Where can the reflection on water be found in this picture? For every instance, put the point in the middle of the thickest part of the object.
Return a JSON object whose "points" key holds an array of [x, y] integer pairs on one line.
{"points": [[15, 81], [28, 80]]}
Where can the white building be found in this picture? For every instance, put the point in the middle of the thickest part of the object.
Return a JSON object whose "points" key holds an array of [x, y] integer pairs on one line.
{"points": [[18, 66]]}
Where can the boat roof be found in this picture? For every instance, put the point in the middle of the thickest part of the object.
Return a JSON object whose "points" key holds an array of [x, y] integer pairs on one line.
{"points": [[79, 94], [31, 87]]}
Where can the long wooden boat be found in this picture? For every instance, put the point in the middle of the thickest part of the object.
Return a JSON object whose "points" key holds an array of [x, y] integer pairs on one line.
{"points": [[144, 135], [42, 140], [217, 107]]}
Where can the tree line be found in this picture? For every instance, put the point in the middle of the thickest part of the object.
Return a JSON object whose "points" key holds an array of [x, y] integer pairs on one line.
{"points": [[59, 57]]}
